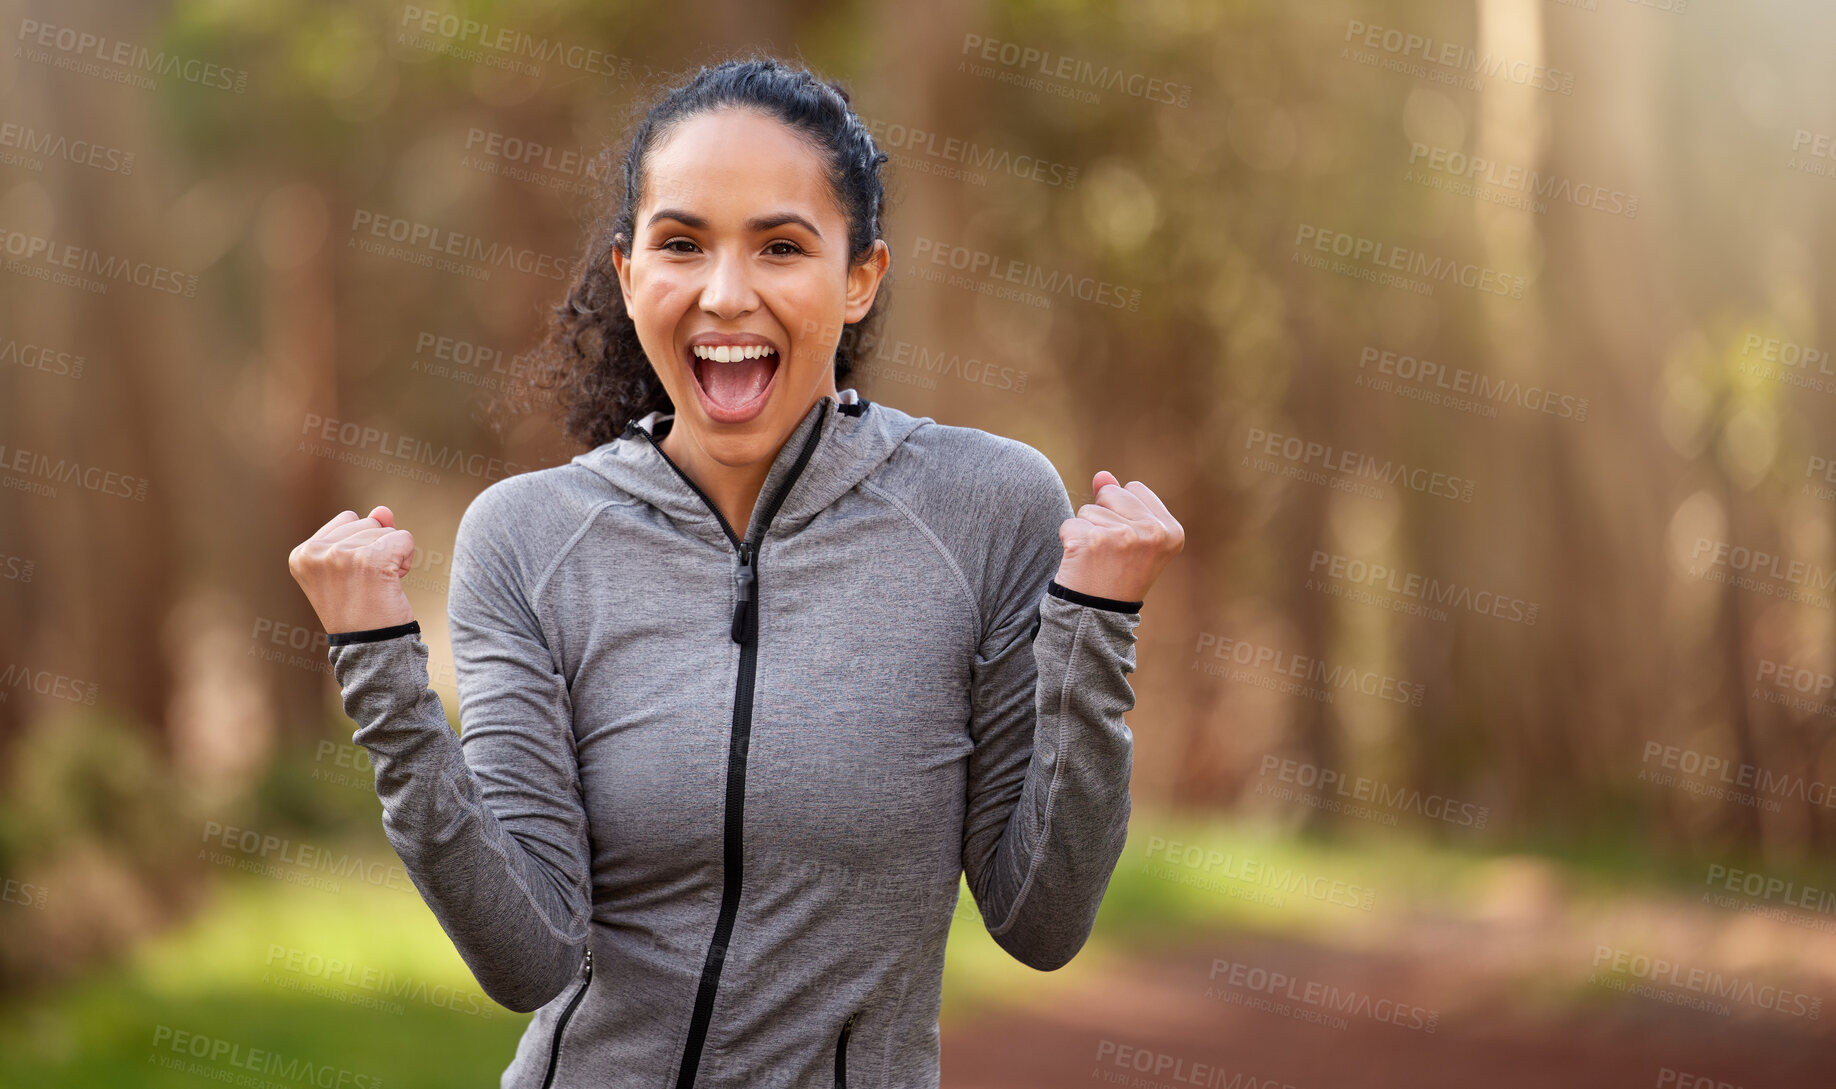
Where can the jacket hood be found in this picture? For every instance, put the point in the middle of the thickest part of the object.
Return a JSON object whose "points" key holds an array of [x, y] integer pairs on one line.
{"points": [[854, 437]]}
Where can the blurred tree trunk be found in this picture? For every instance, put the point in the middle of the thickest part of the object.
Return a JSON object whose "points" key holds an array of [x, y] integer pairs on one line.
{"points": [[109, 564], [300, 355]]}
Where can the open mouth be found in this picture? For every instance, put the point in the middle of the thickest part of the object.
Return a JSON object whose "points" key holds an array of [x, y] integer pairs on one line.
{"points": [[734, 380]]}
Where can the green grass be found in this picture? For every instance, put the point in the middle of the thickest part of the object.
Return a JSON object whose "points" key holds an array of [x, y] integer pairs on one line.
{"points": [[253, 971], [242, 974]]}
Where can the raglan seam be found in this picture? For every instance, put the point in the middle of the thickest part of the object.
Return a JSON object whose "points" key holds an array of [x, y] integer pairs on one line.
{"points": [[901, 1055], [541, 584], [574, 780], [586, 523], [962, 582], [1058, 768]]}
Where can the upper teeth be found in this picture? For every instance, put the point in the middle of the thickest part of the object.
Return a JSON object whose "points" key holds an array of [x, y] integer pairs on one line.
{"points": [[729, 354]]}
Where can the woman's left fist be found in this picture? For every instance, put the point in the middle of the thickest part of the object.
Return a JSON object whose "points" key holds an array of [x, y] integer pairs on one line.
{"points": [[1116, 546]]}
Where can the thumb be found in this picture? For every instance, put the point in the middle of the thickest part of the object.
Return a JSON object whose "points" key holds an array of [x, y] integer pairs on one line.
{"points": [[1104, 476]]}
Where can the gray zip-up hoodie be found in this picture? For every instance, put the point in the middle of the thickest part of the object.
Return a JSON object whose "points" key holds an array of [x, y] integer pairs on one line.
{"points": [[712, 795]]}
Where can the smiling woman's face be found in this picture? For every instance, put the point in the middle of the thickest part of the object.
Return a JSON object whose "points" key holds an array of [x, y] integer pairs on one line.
{"points": [[739, 282]]}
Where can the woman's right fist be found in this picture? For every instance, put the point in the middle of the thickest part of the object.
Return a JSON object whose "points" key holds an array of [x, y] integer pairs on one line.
{"points": [[352, 571]]}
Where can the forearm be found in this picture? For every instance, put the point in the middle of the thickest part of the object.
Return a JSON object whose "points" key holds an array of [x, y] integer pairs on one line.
{"points": [[517, 920], [1061, 843]]}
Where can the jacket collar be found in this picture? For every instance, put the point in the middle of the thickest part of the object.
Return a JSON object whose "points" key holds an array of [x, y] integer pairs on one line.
{"points": [[854, 437]]}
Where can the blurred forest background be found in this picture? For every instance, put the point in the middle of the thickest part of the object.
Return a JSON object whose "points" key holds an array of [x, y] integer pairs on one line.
{"points": [[1482, 348]]}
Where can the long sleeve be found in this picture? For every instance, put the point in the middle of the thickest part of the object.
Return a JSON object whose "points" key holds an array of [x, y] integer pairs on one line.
{"points": [[1048, 793], [489, 825]]}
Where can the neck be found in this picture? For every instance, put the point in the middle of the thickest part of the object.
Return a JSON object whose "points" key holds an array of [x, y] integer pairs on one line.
{"points": [[733, 489]]}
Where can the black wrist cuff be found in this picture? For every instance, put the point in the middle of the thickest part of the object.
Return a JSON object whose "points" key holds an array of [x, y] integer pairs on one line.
{"points": [[1092, 600], [371, 635]]}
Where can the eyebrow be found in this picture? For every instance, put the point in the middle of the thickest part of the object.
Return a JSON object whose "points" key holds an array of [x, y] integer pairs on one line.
{"points": [[755, 224]]}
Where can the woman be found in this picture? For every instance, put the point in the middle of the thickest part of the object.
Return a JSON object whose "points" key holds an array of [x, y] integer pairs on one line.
{"points": [[746, 688]]}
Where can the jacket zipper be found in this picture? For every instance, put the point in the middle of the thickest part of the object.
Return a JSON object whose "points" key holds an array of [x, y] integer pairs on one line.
{"points": [[745, 632], [841, 1052], [554, 1048]]}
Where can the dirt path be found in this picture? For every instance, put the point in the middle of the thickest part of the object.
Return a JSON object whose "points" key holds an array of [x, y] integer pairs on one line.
{"points": [[1248, 1012]]}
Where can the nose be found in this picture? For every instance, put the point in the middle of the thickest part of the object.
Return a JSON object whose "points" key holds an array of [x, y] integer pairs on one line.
{"points": [[728, 292]]}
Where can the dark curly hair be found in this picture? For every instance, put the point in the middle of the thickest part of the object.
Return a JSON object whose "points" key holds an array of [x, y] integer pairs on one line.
{"points": [[589, 361]]}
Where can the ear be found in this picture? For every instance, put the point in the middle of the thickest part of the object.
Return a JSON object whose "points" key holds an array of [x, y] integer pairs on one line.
{"points": [[623, 267], [864, 282]]}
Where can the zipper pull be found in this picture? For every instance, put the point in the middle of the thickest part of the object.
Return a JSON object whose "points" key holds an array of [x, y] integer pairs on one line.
{"points": [[589, 965], [744, 609]]}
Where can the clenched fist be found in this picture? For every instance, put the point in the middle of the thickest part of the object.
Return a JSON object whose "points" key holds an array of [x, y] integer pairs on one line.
{"points": [[352, 571], [1117, 546]]}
